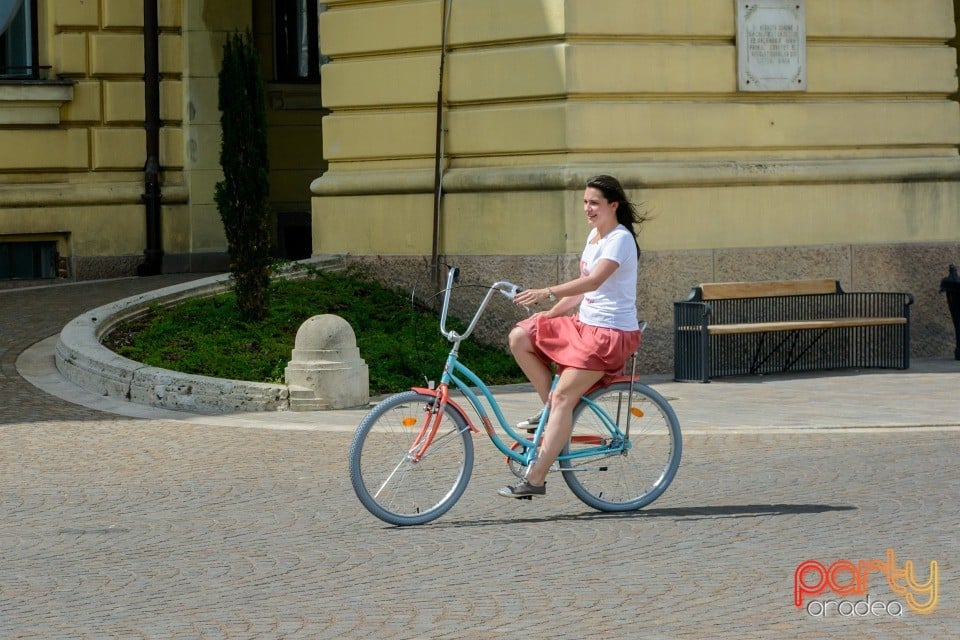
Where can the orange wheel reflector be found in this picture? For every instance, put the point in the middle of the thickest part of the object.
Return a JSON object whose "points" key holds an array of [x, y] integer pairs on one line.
{"points": [[410, 422], [637, 412]]}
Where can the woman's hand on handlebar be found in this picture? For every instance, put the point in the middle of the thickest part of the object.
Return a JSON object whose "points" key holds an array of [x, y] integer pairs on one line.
{"points": [[529, 297]]}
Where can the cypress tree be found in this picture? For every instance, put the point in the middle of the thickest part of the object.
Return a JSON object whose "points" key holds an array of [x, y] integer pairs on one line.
{"points": [[241, 196]]}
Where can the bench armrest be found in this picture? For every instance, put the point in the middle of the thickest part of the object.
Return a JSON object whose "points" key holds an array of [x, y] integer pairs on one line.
{"points": [[687, 314]]}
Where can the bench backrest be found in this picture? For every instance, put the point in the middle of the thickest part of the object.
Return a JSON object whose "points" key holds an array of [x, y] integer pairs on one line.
{"points": [[725, 303], [729, 290]]}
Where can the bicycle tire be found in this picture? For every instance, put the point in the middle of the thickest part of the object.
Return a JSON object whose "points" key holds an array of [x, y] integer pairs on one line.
{"points": [[623, 479], [391, 485]]}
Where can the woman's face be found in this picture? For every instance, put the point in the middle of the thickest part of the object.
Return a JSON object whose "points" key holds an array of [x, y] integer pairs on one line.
{"points": [[601, 214]]}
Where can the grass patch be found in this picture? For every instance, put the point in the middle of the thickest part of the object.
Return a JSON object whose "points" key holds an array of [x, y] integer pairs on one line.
{"points": [[400, 344]]}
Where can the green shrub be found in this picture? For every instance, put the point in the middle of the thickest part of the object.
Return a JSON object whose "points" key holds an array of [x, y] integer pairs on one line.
{"points": [[401, 345], [241, 196]]}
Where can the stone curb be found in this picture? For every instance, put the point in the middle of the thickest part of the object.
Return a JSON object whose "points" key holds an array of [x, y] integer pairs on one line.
{"points": [[81, 358]]}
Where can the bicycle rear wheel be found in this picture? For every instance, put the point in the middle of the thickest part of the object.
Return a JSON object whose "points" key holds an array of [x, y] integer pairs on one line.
{"points": [[623, 476], [389, 482]]}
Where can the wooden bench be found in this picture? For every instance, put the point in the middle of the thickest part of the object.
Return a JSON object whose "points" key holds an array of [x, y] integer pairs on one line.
{"points": [[737, 328]]}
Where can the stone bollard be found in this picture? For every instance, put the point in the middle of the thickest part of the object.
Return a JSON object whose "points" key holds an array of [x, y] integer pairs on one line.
{"points": [[325, 369]]}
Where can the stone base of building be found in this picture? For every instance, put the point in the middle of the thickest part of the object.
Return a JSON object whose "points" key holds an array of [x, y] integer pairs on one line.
{"points": [[211, 262], [667, 276], [82, 268]]}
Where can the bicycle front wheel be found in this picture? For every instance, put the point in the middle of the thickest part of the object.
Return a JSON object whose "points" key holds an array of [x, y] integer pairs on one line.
{"points": [[622, 475], [387, 475]]}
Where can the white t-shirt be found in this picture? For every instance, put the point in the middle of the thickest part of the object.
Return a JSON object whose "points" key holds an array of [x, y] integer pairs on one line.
{"points": [[614, 303]]}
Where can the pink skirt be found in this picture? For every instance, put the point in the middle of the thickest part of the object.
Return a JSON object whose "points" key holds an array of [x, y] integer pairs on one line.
{"points": [[570, 343]]}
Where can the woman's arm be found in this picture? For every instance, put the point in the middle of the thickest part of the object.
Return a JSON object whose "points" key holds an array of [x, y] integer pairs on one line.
{"points": [[571, 292], [564, 306]]}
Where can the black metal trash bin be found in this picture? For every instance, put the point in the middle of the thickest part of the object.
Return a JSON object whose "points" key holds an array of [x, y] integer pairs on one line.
{"points": [[951, 286]]}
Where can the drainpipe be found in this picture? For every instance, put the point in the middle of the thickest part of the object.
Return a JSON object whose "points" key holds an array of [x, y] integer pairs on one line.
{"points": [[153, 264], [438, 153]]}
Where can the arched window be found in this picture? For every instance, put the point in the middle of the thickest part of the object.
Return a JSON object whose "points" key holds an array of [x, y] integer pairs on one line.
{"points": [[18, 39]]}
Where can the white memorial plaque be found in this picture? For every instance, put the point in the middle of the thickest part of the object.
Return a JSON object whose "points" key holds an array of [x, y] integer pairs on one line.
{"points": [[771, 45]]}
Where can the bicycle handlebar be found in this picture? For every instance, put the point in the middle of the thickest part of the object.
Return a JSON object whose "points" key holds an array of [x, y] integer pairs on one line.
{"points": [[508, 289]]}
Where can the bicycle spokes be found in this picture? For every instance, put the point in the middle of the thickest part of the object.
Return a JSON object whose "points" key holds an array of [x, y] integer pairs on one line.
{"points": [[409, 465], [628, 471]]}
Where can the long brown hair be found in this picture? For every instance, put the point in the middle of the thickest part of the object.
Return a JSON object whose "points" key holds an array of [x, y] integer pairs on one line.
{"points": [[627, 213]]}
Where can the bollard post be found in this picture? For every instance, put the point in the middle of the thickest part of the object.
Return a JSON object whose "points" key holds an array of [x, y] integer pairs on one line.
{"points": [[325, 369]]}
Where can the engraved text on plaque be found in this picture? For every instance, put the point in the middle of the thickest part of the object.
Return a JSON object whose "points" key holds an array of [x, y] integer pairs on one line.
{"points": [[771, 45]]}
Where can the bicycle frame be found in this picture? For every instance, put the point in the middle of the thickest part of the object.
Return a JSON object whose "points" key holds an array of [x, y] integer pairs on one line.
{"points": [[454, 373], [527, 454]]}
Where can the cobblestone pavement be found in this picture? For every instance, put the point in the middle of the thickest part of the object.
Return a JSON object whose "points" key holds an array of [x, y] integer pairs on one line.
{"points": [[114, 526]]}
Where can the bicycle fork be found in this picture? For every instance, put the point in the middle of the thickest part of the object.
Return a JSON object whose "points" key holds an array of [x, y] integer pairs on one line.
{"points": [[427, 433], [434, 416]]}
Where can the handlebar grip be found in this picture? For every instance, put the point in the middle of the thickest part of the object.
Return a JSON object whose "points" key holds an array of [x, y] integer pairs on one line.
{"points": [[512, 291]]}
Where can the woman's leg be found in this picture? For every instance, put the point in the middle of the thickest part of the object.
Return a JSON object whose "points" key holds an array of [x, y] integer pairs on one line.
{"points": [[570, 388], [530, 363]]}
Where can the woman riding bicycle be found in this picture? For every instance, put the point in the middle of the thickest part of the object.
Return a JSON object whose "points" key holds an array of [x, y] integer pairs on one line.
{"points": [[591, 344]]}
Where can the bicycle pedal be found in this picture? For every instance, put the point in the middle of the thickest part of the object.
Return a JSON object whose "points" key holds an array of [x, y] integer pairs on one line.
{"points": [[525, 498]]}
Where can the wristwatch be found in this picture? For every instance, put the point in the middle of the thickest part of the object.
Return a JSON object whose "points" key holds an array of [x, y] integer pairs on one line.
{"points": [[550, 296]]}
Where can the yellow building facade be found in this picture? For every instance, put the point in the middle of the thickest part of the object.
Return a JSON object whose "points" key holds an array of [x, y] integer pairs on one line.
{"points": [[855, 178], [73, 139]]}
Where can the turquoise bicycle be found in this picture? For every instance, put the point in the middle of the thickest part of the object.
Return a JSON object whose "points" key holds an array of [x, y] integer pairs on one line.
{"points": [[412, 455]]}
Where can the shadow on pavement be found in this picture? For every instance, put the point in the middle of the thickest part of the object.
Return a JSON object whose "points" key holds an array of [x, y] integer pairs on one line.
{"points": [[679, 513]]}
